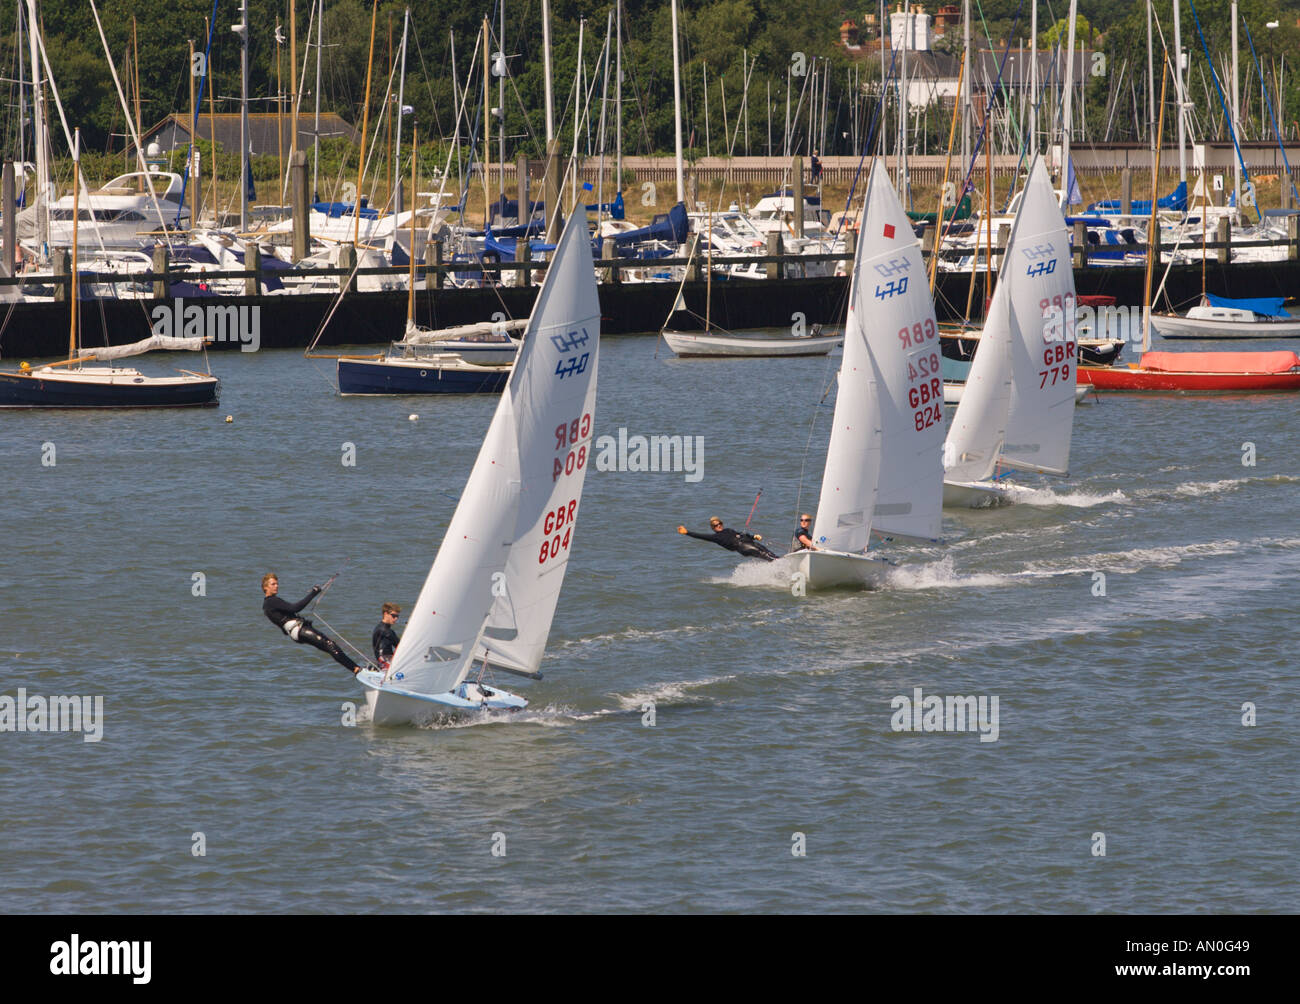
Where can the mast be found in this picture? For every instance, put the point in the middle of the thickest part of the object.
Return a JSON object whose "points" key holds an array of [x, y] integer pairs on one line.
{"points": [[1069, 95], [618, 105], [401, 98], [38, 130], [1178, 93], [677, 107], [315, 143], [195, 208], [365, 128], [903, 108], [487, 113], [546, 70], [578, 107], [1236, 117], [1033, 80], [293, 78], [243, 116], [410, 296], [135, 74], [1151, 78], [75, 294], [704, 66], [501, 97], [212, 126], [970, 84]]}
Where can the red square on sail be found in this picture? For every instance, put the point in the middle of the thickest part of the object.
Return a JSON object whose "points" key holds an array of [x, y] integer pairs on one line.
{"points": [[889, 230]]}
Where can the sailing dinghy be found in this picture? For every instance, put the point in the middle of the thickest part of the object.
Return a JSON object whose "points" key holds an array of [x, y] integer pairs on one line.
{"points": [[884, 470], [490, 596], [71, 384], [1017, 408]]}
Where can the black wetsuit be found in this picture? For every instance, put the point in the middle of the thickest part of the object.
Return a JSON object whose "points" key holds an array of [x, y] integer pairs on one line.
{"points": [[384, 641], [798, 545], [734, 540], [280, 612]]}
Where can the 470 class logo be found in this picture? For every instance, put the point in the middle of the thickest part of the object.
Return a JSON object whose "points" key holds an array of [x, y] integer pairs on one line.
{"points": [[893, 267], [572, 341], [891, 289]]}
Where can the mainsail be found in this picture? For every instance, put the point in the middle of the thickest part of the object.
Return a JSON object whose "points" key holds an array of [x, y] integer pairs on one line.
{"points": [[155, 343], [1018, 406], [492, 590], [1043, 348], [883, 464], [903, 340]]}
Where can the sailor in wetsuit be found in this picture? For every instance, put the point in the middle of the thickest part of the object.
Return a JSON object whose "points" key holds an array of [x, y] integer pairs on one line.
{"points": [[802, 540], [284, 615], [384, 639], [733, 540]]}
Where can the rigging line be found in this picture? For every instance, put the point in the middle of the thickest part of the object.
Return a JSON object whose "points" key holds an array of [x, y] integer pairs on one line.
{"points": [[198, 110], [979, 143], [1232, 130], [335, 632], [1271, 117]]}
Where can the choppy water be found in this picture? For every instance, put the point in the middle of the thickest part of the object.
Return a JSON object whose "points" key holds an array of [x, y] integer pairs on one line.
{"points": [[1118, 714]]}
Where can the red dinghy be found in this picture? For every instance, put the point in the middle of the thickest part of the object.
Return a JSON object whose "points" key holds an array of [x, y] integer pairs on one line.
{"points": [[1199, 371]]}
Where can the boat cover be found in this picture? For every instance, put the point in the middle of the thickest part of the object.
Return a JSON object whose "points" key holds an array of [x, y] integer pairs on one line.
{"points": [[1221, 362], [1265, 306]]}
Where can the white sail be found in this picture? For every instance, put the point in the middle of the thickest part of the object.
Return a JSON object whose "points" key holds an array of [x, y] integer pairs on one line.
{"points": [[513, 489], [902, 339], [979, 425], [1043, 349], [155, 343], [433, 655], [416, 335], [848, 493], [553, 390]]}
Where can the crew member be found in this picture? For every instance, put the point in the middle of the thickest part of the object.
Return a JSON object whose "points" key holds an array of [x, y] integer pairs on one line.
{"points": [[384, 639], [733, 540], [803, 536], [284, 615]]}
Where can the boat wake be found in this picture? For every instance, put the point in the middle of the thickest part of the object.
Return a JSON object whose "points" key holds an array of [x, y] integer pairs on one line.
{"points": [[1023, 495], [1199, 489], [942, 574], [749, 574]]}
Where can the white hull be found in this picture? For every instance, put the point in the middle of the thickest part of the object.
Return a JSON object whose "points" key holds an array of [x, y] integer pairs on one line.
{"points": [[1172, 326], [687, 345], [831, 569], [390, 705]]}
